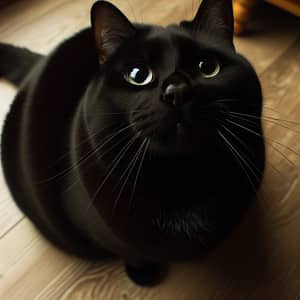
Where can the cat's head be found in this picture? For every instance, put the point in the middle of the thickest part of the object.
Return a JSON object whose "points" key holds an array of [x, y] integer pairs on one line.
{"points": [[188, 108]]}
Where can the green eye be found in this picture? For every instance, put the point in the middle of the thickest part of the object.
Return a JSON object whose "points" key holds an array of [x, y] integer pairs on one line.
{"points": [[139, 75], [209, 67]]}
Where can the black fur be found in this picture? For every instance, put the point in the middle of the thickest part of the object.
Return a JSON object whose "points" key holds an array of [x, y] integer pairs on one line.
{"points": [[185, 191], [16, 62]]}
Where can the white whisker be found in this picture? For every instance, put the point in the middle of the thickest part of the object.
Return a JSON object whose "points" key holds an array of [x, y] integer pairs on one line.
{"points": [[138, 172], [266, 140], [244, 144], [113, 166], [267, 118], [238, 158], [86, 156], [130, 168]]}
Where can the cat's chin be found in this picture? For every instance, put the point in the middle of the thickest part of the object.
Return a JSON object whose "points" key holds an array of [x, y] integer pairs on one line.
{"points": [[172, 147]]}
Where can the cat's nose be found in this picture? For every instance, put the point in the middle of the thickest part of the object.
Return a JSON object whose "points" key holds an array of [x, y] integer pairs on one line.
{"points": [[175, 95]]}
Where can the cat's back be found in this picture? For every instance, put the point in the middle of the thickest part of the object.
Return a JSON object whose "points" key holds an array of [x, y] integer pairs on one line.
{"points": [[33, 127]]}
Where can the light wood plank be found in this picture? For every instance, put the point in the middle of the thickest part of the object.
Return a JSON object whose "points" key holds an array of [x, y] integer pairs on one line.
{"points": [[21, 13], [270, 34], [9, 213], [24, 255]]}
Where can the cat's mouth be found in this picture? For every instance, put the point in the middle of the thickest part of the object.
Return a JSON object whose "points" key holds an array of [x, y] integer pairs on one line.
{"points": [[172, 132], [178, 140], [181, 135], [182, 130]]}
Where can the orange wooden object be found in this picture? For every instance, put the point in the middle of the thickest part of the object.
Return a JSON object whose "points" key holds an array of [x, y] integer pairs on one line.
{"points": [[243, 11]]}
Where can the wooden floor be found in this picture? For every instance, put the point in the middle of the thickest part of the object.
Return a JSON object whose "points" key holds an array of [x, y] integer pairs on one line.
{"points": [[261, 260]]}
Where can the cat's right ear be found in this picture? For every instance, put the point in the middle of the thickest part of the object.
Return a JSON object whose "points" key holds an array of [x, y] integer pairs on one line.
{"points": [[110, 27], [215, 18]]}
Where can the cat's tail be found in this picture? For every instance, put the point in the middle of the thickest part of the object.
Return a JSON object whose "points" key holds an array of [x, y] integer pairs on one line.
{"points": [[16, 62]]}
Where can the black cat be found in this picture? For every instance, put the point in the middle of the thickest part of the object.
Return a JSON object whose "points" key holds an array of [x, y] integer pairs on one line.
{"points": [[126, 139]]}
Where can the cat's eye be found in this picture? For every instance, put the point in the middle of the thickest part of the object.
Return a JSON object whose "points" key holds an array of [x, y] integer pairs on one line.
{"points": [[209, 67], [139, 75]]}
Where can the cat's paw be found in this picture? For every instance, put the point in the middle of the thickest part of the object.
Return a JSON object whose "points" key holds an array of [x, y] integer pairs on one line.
{"points": [[145, 274]]}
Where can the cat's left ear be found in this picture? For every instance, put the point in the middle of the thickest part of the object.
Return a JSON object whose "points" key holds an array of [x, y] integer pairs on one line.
{"points": [[110, 27], [215, 17]]}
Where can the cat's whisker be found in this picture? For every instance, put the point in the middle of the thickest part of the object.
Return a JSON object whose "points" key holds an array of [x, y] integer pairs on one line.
{"points": [[248, 161], [225, 100], [267, 141], [239, 140], [251, 121], [246, 147], [129, 171], [108, 150], [86, 156], [108, 139], [266, 137], [267, 118], [92, 162], [131, 163], [237, 157], [139, 171], [112, 167], [86, 140], [247, 158], [101, 145], [246, 119]]}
